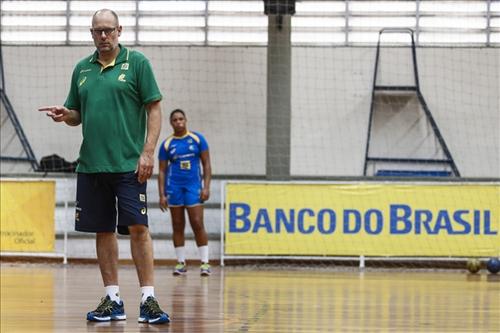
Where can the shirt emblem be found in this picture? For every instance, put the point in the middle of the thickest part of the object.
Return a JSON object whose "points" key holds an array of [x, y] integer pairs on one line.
{"points": [[125, 66], [121, 78], [82, 81]]}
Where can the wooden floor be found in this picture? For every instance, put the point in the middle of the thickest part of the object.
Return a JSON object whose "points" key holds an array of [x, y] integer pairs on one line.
{"points": [[55, 298]]}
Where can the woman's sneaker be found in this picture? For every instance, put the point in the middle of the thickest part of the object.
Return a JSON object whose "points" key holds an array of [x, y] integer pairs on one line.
{"points": [[205, 269], [150, 312], [180, 269], [107, 310]]}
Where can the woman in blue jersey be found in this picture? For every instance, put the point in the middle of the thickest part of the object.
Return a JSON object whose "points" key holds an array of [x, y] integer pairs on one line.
{"points": [[184, 184]]}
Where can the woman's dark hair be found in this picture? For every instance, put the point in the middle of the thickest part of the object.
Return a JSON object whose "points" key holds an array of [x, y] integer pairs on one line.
{"points": [[175, 111]]}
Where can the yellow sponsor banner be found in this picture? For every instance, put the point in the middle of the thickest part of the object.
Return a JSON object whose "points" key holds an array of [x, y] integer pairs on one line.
{"points": [[362, 219], [27, 216]]}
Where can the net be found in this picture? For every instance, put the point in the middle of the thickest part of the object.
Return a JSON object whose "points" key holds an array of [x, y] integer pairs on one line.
{"points": [[292, 97]]}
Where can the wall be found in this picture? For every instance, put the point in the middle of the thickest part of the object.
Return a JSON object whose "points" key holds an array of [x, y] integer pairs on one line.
{"points": [[223, 91]]}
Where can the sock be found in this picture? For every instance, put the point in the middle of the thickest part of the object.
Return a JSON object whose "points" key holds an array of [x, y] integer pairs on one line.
{"points": [[203, 253], [114, 293], [147, 291], [180, 253]]}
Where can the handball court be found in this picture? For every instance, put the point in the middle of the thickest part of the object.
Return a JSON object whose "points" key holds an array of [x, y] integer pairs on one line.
{"points": [[55, 298]]}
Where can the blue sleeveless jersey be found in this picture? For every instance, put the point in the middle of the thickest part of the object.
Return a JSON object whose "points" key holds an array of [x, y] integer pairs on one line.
{"points": [[183, 156]]}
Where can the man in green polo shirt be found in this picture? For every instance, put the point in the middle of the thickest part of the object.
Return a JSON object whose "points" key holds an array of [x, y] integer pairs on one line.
{"points": [[115, 97]]}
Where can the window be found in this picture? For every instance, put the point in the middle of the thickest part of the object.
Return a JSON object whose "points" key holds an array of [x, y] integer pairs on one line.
{"points": [[351, 22]]}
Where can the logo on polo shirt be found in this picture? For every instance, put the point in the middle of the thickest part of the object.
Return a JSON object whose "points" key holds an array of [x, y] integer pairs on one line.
{"points": [[125, 66], [85, 70], [121, 78], [82, 81]]}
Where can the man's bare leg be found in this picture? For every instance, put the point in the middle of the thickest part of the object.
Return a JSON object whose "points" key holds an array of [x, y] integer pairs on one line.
{"points": [[107, 257], [141, 247]]}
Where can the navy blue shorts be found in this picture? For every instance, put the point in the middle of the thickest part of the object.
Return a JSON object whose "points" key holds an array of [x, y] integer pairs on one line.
{"points": [[101, 197]]}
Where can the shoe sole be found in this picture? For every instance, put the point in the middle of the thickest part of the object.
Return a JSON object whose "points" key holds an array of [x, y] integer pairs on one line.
{"points": [[205, 273], [179, 273], [160, 320], [103, 319]]}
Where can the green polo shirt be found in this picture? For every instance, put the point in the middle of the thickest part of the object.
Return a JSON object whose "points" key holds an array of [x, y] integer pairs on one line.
{"points": [[111, 102]]}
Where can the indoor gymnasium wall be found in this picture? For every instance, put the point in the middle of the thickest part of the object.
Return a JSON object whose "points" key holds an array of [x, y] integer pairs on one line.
{"points": [[223, 90]]}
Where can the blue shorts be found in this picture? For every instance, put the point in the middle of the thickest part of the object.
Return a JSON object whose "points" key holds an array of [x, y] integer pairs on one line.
{"points": [[101, 197], [184, 195]]}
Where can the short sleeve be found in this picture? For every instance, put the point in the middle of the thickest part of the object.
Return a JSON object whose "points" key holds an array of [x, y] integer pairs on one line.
{"points": [[203, 143], [148, 88], [162, 152], [73, 100]]}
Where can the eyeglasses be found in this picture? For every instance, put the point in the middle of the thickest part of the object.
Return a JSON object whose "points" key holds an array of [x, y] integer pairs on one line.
{"points": [[98, 32]]}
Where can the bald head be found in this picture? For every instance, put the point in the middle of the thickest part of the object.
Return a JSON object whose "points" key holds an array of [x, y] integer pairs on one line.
{"points": [[105, 32], [105, 14]]}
